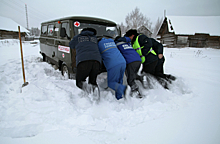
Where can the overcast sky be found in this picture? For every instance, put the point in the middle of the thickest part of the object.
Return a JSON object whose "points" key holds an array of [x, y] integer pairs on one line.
{"points": [[115, 10]]}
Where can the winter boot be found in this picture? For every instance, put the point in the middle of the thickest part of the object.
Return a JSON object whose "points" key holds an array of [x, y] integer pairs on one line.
{"points": [[135, 91], [171, 77], [163, 82], [136, 94]]}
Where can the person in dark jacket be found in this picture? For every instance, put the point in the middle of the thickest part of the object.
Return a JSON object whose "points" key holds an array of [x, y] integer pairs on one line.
{"points": [[133, 63], [159, 70], [143, 46], [158, 48], [115, 65], [88, 58]]}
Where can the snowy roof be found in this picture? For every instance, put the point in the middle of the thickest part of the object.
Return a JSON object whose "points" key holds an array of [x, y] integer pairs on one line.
{"points": [[194, 24], [138, 28], [10, 25]]}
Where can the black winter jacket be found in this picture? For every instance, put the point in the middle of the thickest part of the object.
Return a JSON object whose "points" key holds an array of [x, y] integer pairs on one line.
{"points": [[86, 47], [143, 40], [158, 47]]}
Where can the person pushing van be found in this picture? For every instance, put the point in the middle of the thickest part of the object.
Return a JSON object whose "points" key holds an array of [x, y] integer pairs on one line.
{"points": [[133, 63], [115, 65], [88, 59]]}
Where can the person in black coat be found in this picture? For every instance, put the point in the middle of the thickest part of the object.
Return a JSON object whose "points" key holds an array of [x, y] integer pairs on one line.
{"points": [[88, 58], [143, 45], [159, 70], [151, 53]]}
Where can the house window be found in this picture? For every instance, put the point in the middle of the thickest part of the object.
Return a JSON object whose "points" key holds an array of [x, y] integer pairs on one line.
{"points": [[171, 27]]}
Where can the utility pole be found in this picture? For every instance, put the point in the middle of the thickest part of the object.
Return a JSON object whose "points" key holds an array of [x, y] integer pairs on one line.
{"points": [[26, 15]]}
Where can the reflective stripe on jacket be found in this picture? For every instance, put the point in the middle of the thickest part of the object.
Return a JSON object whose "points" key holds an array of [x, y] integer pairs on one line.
{"points": [[138, 48]]}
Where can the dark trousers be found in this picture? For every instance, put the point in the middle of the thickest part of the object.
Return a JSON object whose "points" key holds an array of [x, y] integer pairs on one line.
{"points": [[131, 73], [150, 68], [159, 68], [87, 69]]}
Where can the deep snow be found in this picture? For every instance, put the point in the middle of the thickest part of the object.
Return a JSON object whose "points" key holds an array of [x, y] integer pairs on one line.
{"points": [[51, 109]]}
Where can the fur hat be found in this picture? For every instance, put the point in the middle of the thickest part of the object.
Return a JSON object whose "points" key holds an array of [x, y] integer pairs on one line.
{"points": [[90, 29], [131, 32]]}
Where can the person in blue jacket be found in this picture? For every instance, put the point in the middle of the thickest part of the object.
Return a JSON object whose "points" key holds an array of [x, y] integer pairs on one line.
{"points": [[133, 62], [115, 65], [88, 58]]}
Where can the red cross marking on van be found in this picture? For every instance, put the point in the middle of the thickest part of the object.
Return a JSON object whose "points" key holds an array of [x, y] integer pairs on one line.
{"points": [[77, 24]]}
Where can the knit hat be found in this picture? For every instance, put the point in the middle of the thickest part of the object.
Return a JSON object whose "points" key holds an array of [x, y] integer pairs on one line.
{"points": [[90, 29]]}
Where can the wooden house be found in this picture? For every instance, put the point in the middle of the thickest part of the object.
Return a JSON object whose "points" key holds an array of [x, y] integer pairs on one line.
{"points": [[9, 29], [190, 31], [144, 30]]}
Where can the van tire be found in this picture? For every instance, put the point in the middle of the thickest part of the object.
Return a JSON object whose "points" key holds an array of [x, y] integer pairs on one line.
{"points": [[65, 71]]}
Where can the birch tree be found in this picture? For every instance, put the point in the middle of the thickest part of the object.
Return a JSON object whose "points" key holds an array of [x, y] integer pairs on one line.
{"points": [[136, 19]]}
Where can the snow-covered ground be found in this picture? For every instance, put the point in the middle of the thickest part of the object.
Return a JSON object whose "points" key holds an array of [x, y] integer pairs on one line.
{"points": [[52, 110]]}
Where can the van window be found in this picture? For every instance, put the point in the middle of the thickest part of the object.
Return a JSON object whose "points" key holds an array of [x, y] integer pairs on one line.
{"points": [[102, 30], [50, 30], [56, 29], [44, 30], [67, 27], [111, 31]]}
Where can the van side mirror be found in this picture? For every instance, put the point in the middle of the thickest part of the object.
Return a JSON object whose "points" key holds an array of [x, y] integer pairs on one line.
{"points": [[63, 32]]}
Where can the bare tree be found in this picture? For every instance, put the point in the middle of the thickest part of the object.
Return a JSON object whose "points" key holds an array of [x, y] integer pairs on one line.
{"points": [[123, 28], [136, 19], [157, 25]]}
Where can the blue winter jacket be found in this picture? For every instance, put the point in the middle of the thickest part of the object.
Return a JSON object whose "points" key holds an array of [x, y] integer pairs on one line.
{"points": [[127, 50], [86, 47], [110, 54]]}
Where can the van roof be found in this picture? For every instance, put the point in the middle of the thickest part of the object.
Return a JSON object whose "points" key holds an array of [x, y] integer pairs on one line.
{"points": [[84, 19]]}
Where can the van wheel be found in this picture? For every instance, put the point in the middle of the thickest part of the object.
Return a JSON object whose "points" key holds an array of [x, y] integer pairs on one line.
{"points": [[65, 72]]}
